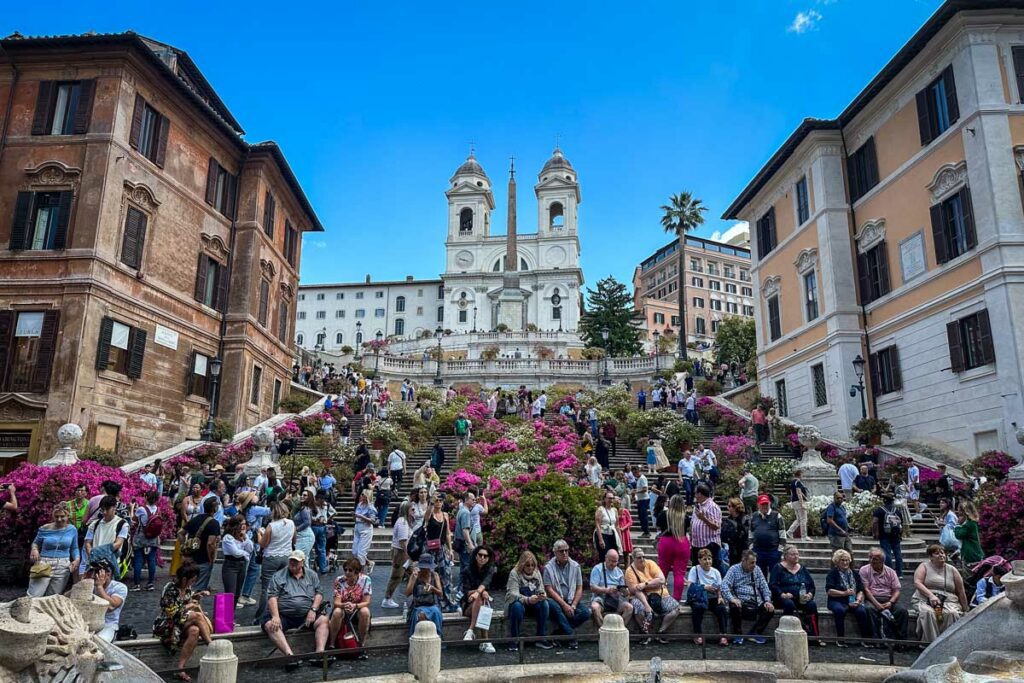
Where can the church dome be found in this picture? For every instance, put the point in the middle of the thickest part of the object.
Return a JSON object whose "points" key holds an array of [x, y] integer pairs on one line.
{"points": [[471, 166], [557, 162]]}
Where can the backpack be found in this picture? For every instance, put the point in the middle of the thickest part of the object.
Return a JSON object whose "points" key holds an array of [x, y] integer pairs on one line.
{"points": [[122, 559], [824, 519], [417, 542], [193, 543], [154, 526], [461, 427], [892, 523]]}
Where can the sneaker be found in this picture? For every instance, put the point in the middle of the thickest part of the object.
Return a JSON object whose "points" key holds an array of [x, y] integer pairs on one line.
{"points": [[468, 635], [389, 603], [136, 588], [723, 642], [737, 641], [840, 643], [646, 641], [574, 645], [544, 644], [512, 647], [487, 648], [150, 587], [759, 640]]}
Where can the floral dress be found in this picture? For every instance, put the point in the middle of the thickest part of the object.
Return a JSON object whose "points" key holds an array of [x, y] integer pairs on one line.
{"points": [[168, 627]]}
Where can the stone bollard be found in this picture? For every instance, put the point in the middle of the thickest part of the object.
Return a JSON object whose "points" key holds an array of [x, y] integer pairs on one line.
{"points": [[219, 664], [791, 646], [425, 652], [613, 643]]}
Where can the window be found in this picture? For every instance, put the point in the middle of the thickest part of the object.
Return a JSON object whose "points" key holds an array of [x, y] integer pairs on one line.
{"points": [[378, 295], [659, 318], [302, 297], [970, 342], [198, 383], [715, 285], [277, 393], [774, 319], [695, 266], [302, 315], [121, 348], [697, 282], [211, 283], [884, 367], [766, 239], [463, 316], [747, 291], [730, 307], [320, 296], [149, 131], [220, 189], [419, 292], [440, 291], [299, 339], [748, 310], [63, 107], [780, 398], [1018, 69], [712, 268], [321, 315], [745, 275], [419, 310], [257, 376], [714, 326], [556, 312], [730, 288], [339, 338], [873, 273], [818, 383], [728, 271], [698, 302], [28, 343], [937, 108], [466, 221], [291, 244], [360, 312], [269, 207], [811, 295], [400, 304], [862, 170], [359, 295], [803, 202], [378, 313], [675, 321], [399, 327], [556, 216], [134, 238], [282, 321], [321, 339], [264, 304], [953, 227], [716, 305], [339, 314], [40, 220], [339, 296], [701, 329], [440, 314]]}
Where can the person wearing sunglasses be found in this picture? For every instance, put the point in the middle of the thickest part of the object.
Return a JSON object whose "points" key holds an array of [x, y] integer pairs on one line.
{"points": [[476, 581]]}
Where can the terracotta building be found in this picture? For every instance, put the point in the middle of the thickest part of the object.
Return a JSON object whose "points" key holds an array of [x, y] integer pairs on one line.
{"points": [[140, 238], [893, 233], [718, 284]]}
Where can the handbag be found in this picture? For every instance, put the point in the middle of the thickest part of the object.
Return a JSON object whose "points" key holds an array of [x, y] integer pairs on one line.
{"points": [[40, 570], [696, 596], [610, 601], [434, 544], [483, 617], [948, 539], [224, 613]]}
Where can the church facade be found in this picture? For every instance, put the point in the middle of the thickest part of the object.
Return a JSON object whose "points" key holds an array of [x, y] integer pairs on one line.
{"points": [[479, 291]]}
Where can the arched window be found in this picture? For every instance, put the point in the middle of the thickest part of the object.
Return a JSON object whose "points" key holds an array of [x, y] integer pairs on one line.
{"points": [[466, 220], [499, 265], [359, 338], [320, 339], [399, 327], [299, 339], [400, 304], [556, 215], [339, 338], [556, 305]]}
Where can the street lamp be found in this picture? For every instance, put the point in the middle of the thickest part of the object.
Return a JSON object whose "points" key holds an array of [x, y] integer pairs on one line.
{"points": [[556, 304], [474, 320], [359, 339], [657, 337], [438, 333], [604, 335], [376, 353], [858, 368], [207, 434]]}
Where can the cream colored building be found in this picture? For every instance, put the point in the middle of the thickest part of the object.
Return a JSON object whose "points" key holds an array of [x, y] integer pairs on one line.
{"points": [[895, 232]]}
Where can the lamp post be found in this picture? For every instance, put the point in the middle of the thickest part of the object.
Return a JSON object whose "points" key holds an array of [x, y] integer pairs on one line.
{"points": [[438, 333], [606, 380], [858, 368], [474, 320], [376, 353], [359, 339], [657, 337], [207, 433], [556, 303]]}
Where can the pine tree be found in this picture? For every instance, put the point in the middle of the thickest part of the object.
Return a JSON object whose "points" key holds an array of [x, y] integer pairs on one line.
{"points": [[611, 306]]}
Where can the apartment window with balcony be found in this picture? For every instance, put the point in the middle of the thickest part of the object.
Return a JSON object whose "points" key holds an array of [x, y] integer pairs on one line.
{"points": [[953, 226], [659, 318], [695, 266], [745, 275], [321, 315], [970, 342], [780, 398], [28, 344], [149, 131], [818, 383], [714, 285], [339, 314], [766, 236], [873, 273], [40, 220], [747, 291], [716, 305], [811, 295], [774, 319], [63, 107], [730, 307], [728, 271], [884, 367], [862, 170], [730, 288], [697, 282], [698, 302], [748, 311], [937, 108], [803, 202], [713, 269], [701, 328]]}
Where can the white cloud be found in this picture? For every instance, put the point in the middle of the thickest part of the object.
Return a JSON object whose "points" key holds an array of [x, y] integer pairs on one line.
{"points": [[805, 21], [318, 244]]}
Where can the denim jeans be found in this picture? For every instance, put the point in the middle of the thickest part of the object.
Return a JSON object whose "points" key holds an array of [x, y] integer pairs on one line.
{"points": [[518, 610], [893, 554], [382, 510], [320, 543], [147, 554], [840, 607], [766, 559], [271, 565], [251, 574], [643, 508], [432, 613], [568, 625], [205, 572]]}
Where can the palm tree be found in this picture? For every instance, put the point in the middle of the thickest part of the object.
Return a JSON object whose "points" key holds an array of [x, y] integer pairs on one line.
{"points": [[682, 214]]}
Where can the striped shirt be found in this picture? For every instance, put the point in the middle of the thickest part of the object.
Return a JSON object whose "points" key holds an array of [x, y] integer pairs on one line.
{"points": [[701, 534]]}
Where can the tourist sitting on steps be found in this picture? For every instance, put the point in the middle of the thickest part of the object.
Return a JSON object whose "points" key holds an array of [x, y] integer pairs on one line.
{"points": [[793, 591], [882, 591], [425, 591], [524, 596], [649, 594], [940, 598], [846, 595], [181, 622], [294, 601], [745, 589], [563, 582], [476, 581], [608, 585], [352, 595], [709, 580]]}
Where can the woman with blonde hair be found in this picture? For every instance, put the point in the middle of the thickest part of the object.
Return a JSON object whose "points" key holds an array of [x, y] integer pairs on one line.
{"points": [[594, 471], [54, 554], [525, 595], [606, 526], [846, 596], [673, 545], [967, 533]]}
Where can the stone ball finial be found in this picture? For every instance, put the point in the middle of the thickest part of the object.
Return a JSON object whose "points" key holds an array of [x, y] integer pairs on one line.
{"points": [[69, 435], [263, 437], [21, 610], [809, 436]]}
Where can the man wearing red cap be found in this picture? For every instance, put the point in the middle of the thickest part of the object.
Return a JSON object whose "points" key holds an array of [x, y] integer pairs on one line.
{"points": [[767, 533]]}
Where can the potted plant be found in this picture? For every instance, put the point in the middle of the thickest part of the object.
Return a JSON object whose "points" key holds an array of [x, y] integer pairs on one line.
{"points": [[870, 430], [489, 353]]}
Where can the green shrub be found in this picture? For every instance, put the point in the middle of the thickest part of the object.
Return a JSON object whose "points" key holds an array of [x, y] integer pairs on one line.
{"points": [[773, 471], [681, 436], [708, 387], [640, 425], [103, 456], [223, 430], [290, 466], [683, 366], [870, 428], [294, 403]]}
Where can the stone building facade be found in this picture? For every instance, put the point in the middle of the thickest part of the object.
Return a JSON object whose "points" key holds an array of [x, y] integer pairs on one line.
{"points": [[140, 238]]}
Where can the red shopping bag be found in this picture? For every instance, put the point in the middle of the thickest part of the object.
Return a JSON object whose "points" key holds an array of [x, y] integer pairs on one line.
{"points": [[224, 613]]}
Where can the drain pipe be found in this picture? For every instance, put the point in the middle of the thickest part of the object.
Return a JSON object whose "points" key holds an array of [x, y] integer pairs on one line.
{"points": [[10, 101], [872, 405]]}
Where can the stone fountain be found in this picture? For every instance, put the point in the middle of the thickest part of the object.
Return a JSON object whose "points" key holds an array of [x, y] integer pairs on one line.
{"points": [[818, 476], [69, 436]]}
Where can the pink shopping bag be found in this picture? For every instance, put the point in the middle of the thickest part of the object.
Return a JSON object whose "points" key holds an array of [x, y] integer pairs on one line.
{"points": [[224, 613]]}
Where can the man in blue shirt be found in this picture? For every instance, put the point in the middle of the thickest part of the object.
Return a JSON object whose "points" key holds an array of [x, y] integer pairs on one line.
{"points": [[606, 579], [641, 400], [838, 524]]}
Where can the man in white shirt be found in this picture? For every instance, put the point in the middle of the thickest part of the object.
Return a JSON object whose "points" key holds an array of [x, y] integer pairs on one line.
{"points": [[709, 463], [148, 476], [914, 489], [543, 401], [691, 408], [110, 591], [687, 475], [847, 473], [643, 502], [396, 465]]}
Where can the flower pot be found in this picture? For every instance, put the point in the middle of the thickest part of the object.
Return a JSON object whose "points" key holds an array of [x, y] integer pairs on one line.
{"points": [[875, 440], [377, 444]]}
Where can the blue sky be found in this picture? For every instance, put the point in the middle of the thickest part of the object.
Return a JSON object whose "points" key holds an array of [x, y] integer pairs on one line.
{"points": [[375, 103]]}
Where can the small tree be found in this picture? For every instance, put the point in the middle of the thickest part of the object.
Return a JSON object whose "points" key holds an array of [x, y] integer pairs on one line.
{"points": [[611, 306], [736, 340]]}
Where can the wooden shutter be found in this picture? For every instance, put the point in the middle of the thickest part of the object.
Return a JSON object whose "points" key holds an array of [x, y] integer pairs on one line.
{"points": [[986, 347], [870, 163], [134, 237], [952, 106], [1018, 70], [136, 352], [222, 289], [83, 114], [189, 372], [968, 208], [60, 235], [202, 272], [874, 376], [264, 302], [103, 345], [22, 216], [268, 215], [882, 262], [136, 129], [282, 321], [894, 364], [956, 347], [42, 120], [213, 170], [939, 234], [230, 187], [161, 142], [853, 178], [863, 279], [772, 235], [47, 350], [924, 124], [7, 319]]}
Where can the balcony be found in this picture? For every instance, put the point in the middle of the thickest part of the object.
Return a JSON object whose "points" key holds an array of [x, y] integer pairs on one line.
{"points": [[696, 268]]}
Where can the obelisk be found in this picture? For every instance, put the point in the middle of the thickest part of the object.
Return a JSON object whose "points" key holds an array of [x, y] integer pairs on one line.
{"points": [[510, 301]]}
